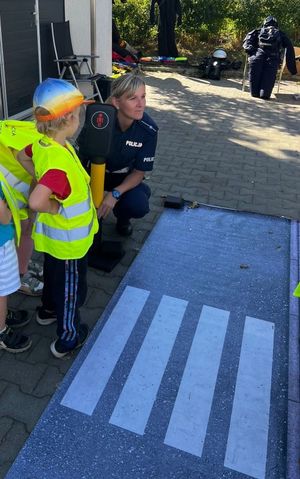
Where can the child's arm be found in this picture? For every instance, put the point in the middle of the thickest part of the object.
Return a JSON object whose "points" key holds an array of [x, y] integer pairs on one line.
{"points": [[26, 162], [40, 200], [5, 213]]}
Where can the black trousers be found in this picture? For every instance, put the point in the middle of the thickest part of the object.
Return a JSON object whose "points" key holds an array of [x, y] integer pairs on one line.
{"points": [[166, 37], [132, 204], [262, 74], [65, 290]]}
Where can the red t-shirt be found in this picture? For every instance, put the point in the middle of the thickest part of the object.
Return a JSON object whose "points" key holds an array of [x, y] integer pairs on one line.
{"points": [[56, 180]]}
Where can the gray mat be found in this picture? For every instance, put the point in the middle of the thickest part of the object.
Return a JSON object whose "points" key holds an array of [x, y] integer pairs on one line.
{"points": [[185, 374]]}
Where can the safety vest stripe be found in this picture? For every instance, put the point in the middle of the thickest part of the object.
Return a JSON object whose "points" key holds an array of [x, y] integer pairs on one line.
{"points": [[7, 193], [15, 182], [61, 234], [75, 210]]}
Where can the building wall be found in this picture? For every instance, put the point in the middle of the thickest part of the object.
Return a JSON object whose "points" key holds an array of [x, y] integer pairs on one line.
{"points": [[78, 12], [20, 67], [49, 12], [20, 48]]}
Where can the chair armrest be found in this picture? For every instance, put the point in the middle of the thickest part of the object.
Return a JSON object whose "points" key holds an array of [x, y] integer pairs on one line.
{"points": [[65, 60], [87, 56]]}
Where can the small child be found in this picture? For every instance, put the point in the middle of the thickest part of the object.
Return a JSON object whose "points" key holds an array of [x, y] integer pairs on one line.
{"points": [[66, 218], [14, 135], [9, 270]]}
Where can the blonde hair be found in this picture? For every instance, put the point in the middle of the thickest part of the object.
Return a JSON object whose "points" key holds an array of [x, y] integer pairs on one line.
{"points": [[127, 83], [51, 126]]}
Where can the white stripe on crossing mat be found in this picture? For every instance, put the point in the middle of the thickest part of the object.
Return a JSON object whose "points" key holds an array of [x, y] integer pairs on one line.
{"points": [[88, 385], [248, 434], [189, 419], [138, 395]]}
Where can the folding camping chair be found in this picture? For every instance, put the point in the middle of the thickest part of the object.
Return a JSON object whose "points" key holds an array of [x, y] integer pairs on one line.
{"points": [[71, 67], [279, 75], [282, 67]]}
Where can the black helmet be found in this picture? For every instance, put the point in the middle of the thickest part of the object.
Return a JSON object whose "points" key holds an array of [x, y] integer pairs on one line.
{"points": [[270, 21]]}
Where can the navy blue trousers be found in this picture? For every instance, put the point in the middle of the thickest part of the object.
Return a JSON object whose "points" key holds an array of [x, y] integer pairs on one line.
{"points": [[65, 289], [132, 204], [262, 74]]}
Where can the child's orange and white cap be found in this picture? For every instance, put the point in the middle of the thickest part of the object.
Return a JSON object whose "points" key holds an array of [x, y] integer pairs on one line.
{"points": [[58, 97]]}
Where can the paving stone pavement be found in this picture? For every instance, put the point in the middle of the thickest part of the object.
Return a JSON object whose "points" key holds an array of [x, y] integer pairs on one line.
{"points": [[216, 146]]}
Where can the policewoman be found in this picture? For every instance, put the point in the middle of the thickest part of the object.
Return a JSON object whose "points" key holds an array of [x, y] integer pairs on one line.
{"points": [[131, 156]]}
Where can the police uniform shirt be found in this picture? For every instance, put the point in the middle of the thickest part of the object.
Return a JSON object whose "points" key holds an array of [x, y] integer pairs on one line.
{"points": [[133, 148]]}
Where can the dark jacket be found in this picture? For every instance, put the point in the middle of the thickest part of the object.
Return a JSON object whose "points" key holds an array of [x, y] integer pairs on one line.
{"points": [[167, 8], [251, 47]]}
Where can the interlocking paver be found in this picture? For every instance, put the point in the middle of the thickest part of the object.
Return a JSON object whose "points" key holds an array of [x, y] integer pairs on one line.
{"points": [[51, 377], [3, 386], [15, 436], [218, 146], [25, 375], [24, 408]]}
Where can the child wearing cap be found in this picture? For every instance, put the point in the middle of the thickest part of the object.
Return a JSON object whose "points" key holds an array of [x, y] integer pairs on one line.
{"points": [[10, 340], [66, 219]]}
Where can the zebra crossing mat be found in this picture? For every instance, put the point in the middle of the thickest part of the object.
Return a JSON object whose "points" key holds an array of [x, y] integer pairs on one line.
{"points": [[185, 374]]}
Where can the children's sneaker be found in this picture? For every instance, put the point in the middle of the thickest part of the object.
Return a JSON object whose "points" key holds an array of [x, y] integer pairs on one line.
{"points": [[14, 342], [59, 351], [36, 269], [31, 285], [17, 319], [45, 317]]}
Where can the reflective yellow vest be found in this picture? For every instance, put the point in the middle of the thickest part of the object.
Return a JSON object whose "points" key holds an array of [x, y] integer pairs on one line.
{"points": [[68, 234], [297, 291], [14, 136], [12, 204]]}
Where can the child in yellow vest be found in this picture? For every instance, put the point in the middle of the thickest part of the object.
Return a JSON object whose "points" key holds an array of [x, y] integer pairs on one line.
{"points": [[66, 219], [10, 340], [14, 135]]}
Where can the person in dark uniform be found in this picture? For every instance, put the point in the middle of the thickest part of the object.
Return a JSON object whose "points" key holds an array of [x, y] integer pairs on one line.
{"points": [[264, 47], [131, 156], [169, 12]]}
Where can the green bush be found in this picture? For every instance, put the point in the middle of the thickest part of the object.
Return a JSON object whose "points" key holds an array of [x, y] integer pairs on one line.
{"points": [[132, 19], [223, 22]]}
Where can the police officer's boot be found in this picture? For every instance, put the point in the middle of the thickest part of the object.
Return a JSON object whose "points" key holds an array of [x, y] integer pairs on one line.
{"points": [[124, 227]]}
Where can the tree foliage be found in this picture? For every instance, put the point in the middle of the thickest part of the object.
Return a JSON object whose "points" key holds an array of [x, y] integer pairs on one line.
{"points": [[209, 20]]}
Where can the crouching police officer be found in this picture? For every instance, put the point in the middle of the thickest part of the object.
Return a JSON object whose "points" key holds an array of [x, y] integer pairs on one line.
{"points": [[132, 154]]}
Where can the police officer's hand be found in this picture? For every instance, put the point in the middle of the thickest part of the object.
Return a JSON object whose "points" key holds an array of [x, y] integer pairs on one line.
{"points": [[107, 205]]}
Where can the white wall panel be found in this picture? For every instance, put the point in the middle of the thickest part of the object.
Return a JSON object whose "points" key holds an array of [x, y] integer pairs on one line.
{"points": [[78, 13]]}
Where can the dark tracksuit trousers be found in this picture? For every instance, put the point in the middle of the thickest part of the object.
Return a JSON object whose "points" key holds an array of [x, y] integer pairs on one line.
{"points": [[262, 73], [132, 204], [65, 289]]}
